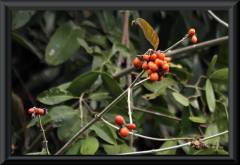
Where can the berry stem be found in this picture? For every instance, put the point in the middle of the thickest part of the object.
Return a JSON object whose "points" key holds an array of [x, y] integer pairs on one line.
{"points": [[217, 18], [176, 44], [44, 136], [129, 105]]}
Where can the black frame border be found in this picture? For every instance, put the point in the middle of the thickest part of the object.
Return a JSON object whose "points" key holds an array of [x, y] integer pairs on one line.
{"points": [[5, 75]]}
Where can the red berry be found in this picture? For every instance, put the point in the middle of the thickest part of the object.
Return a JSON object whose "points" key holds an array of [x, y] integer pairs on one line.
{"points": [[145, 66], [153, 57], [31, 111], [150, 71], [194, 39], [137, 62], [131, 126], [165, 67], [167, 59], [119, 120], [191, 32], [154, 76], [160, 78], [161, 56], [40, 111], [124, 132], [154, 67], [145, 57], [199, 147]]}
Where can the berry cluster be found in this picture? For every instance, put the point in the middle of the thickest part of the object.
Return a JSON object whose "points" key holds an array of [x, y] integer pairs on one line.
{"points": [[124, 130], [40, 111], [191, 33], [155, 63]]}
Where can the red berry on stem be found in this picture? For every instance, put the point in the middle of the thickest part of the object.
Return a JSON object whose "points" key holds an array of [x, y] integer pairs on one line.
{"points": [[145, 57], [31, 111], [165, 67], [119, 120], [145, 66], [154, 76], [124, 132], [137, 62], [161, 56], [131, 126], [153, 57], [40, 111], [191, 32], [194, 39]]}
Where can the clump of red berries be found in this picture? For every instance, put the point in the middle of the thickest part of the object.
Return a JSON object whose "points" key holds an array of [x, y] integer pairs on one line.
{"points": [[155, 63], [192, 33], [198, 144], [39, 111], [124, 128]]}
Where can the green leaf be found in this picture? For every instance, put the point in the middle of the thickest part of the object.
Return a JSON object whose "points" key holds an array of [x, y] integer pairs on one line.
{"points": [[99, 40], [109, 20], [113, 88], [158, 88], [75, 149], [21, 17], [180, 98], [61, 112], [44, 120], [54, 96], [49, 19], [209, 151], [210, 96], [220, 76], [84, 44], [182, 73], [89, 146], [194, 102], [82, 83], [220, 117], [68, 128], [27, 44], [166, 145], [64, 85], [212, 129], [119, 48], [99, 96], [103, 131], [197, 119], [110, 149], [214, 59], [222, 152], [124, 148], [63, 44], [186, 124]]}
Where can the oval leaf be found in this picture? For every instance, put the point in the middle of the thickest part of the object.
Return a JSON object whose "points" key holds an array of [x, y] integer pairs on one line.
{"points": [[75, 149], [212, 129], [110, 149], [82, 83], [103, 131], [89, 146], [197, 119], [54, 96], [21, 17], [169, 151], [214, 59], [149, 33], [63, 44], [220, 76], [210, 96], [181, 99]]}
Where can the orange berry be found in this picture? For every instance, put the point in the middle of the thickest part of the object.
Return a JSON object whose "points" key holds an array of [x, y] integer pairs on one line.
{"points": [[40, 111], [191, 32], [145, 66], [31, 111], [124, 132], [137, 62], [153, 57], [161, 56], [131, 126], [119, 120], [154, 67], [150, 63], [167, 59], [165, 67], [145, 57], [154, 76], [194, 39], [150, 71], [159, 62]]}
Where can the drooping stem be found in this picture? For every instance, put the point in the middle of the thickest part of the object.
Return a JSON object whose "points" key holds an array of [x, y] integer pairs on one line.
{"points": [[44, 137]]}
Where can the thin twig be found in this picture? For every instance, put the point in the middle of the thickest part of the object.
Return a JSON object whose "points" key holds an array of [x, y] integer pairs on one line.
{"points": [[129, 105], [44, 136], [217, 18], [173, 147], [176, 44]]}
